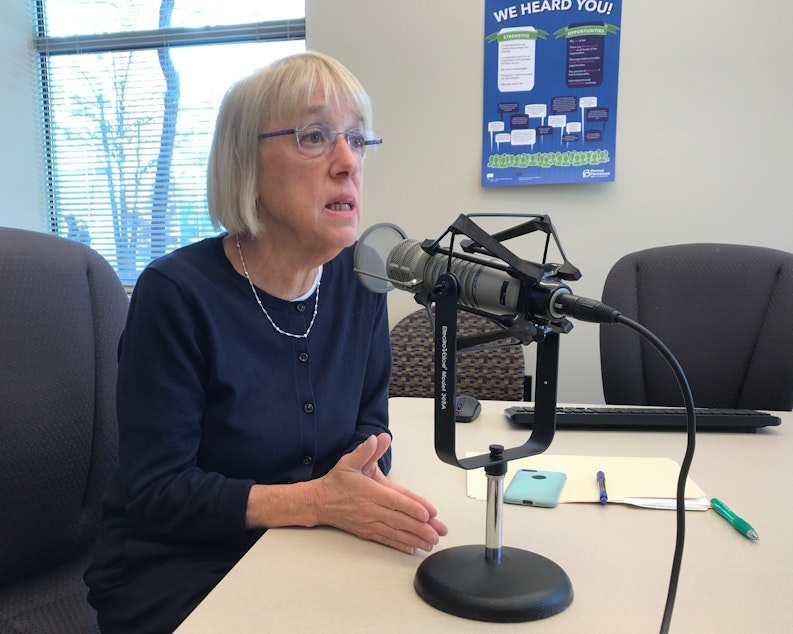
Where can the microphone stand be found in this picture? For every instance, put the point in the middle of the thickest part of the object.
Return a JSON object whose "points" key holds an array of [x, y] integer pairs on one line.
{"points": [[494, 583]]}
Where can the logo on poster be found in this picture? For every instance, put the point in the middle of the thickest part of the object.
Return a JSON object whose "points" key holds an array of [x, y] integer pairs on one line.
{"points": [[595, 173]]}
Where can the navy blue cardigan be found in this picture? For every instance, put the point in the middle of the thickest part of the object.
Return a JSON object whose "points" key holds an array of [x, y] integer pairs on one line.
{"points": [[211, 399]]}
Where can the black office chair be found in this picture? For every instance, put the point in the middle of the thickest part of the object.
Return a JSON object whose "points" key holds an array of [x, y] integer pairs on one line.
{"points": [[724, 310], [491, 374], [62, 310]]}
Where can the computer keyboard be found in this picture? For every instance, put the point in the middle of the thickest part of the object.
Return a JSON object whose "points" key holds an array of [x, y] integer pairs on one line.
{"points": [[643, 418]]}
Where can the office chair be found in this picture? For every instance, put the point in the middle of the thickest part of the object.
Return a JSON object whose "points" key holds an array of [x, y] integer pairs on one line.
{"points": [[62, 310], [492, 374], [724, 310]]}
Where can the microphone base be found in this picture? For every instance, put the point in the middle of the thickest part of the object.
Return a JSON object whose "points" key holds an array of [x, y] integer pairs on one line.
{"points": [[522, 586]]}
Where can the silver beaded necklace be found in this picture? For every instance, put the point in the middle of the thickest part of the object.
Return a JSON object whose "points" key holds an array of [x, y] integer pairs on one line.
{"points": [[266, 314]]}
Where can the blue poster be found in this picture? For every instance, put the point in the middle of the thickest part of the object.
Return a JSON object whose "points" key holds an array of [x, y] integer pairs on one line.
{"points": [[550, 91]]}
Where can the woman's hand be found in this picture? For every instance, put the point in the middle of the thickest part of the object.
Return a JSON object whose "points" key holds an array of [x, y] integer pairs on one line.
{"points": [[357, 497]]}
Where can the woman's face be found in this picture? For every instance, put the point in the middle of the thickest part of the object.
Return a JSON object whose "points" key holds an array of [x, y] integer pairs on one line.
{"points": [[310, 205]]}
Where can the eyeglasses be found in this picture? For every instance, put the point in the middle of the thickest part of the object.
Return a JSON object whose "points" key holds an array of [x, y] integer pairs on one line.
{"points": [[317, 139]]}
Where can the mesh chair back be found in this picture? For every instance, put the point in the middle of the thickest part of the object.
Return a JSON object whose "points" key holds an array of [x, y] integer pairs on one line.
{"points": [[724, 310], [493, 374]]}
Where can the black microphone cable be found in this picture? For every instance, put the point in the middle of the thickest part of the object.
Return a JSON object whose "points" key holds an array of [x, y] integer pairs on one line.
{"points": [[590, 310]]}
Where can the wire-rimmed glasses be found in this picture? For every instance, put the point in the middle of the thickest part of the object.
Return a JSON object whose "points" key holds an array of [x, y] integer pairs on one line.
{"points": [[317, 139]]}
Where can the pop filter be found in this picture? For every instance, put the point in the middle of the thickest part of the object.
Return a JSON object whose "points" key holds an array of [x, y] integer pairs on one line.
{"points": [[371, 253]]}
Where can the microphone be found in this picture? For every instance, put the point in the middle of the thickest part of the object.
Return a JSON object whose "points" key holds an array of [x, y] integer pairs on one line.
{"points": [[410, 268], [385, 259]]}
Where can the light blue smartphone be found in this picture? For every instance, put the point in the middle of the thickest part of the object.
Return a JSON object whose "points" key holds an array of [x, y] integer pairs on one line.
{"points": [[531, 487]]}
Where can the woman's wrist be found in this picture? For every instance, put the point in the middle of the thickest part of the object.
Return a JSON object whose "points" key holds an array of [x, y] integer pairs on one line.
{"points": [[277, 505]]}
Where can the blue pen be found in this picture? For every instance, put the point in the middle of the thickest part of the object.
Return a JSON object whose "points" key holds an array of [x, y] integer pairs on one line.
{"points": [[604, 497]]}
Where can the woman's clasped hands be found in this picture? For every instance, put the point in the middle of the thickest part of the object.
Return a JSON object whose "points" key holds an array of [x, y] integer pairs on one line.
{"points": [[355, 496]]}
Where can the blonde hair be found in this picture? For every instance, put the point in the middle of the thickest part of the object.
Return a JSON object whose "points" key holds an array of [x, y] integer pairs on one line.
{"points": [[273, 93]]}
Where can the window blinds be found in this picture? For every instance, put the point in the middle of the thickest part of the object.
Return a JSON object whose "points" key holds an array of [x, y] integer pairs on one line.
{"points": [[129, 95]]}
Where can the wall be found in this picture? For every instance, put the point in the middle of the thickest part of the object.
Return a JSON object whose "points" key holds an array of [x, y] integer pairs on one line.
{"points": [[703, 149], [20, 166]]}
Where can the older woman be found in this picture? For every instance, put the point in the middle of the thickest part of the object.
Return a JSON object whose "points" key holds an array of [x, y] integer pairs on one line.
{"points": [[254, 367]]}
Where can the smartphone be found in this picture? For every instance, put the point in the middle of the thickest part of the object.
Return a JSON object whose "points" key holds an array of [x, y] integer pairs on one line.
{"points": [[531, 487]]}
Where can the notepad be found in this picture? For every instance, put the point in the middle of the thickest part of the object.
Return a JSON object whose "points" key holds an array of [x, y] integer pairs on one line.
{"points": [[639, 481]]}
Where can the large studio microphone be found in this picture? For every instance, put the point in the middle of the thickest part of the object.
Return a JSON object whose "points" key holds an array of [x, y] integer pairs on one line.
{"points": [[385, 259]]}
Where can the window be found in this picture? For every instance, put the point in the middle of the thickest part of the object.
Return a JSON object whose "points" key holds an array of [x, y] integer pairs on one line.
{"points": [[129, 95]]}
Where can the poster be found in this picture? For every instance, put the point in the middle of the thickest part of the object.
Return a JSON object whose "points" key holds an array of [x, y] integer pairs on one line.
{"points": [[550, 91]]}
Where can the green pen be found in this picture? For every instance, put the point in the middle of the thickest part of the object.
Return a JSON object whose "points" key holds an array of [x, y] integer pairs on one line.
{"points": [[739, 524]]}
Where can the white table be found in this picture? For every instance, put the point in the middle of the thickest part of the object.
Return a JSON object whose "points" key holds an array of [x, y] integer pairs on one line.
{"points": [[618, 558]]}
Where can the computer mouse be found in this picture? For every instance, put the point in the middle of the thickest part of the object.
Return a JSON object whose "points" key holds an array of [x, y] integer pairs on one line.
{"points": [[466, 408]]}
